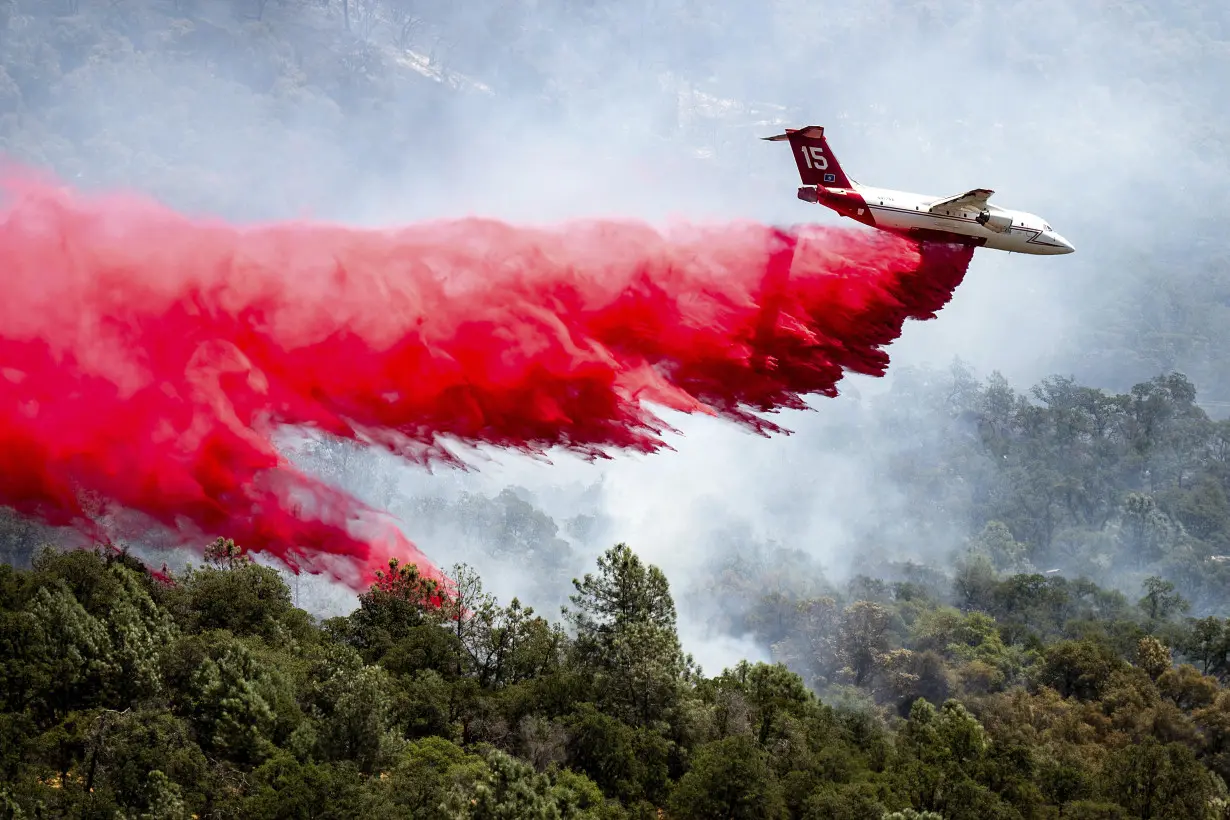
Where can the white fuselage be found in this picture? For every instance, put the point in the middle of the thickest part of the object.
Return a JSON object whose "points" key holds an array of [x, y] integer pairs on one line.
{"points": [[1017, 231]]}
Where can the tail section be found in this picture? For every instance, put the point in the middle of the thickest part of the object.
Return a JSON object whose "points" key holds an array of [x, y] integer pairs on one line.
{"points": [[817, 164]]}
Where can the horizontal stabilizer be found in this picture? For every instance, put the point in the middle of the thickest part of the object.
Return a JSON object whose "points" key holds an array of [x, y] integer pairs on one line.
{"points": [[812, 131]]}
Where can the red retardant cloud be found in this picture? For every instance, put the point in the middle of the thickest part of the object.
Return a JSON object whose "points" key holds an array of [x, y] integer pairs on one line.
{"points": [[147, 359]]}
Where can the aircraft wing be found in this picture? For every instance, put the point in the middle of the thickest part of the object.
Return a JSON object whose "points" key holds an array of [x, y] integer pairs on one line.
{"points": [[975, 199]]}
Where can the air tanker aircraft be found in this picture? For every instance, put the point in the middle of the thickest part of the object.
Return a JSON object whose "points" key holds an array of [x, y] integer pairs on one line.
{"points": [[966, 219]]}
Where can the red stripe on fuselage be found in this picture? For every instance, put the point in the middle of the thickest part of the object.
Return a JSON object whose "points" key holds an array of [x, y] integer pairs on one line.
{"points": [[847, 203]]}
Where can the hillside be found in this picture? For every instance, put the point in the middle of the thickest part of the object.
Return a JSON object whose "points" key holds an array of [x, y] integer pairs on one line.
{"points": [[215, 696], [993, 686]]}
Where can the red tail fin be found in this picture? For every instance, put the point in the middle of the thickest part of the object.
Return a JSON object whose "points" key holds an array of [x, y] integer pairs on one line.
{"points": [[817, 164]]}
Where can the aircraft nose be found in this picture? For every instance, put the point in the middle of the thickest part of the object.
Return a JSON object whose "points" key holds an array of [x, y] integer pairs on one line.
{"points": [[1061, 245]]}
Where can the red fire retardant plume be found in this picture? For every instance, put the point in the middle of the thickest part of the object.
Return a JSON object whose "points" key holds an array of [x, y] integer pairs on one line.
{"points": [[147, 359]]}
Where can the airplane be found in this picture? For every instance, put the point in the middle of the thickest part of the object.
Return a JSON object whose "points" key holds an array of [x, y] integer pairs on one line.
{"points": [[965, 219]]}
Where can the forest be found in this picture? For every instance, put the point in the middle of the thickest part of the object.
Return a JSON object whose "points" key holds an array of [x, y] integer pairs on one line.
{"points": [[980, 685], [209, 694], [1033, 622], [984, 682]]}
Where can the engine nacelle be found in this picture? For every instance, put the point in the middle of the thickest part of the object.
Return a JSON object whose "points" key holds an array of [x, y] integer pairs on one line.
{"points": [[1000, 223]]}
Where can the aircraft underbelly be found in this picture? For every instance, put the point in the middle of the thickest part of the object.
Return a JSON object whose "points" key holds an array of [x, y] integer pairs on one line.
{"points": [[1004, 242]]}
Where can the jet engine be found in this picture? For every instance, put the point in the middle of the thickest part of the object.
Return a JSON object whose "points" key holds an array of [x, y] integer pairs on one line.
{"points": [[995, 222]]}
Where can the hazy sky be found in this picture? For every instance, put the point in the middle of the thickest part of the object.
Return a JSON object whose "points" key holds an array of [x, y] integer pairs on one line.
{"points": [[1098, 116]]}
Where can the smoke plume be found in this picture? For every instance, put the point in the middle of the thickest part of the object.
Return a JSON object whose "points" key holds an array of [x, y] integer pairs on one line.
{"points": [[148, 359]]}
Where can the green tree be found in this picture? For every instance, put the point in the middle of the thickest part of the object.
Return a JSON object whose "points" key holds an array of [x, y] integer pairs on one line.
{"points": [[512, 789], [239, 596], [624, 619], [939, 755], [1155, 780], [863, 639], [771, 690], [352, 707], [502, 644], [1160, 601], [1206, 642], [108, 657], [239, 704], [1078, 669], [1005, 552], [728, 778], [628, 763]]}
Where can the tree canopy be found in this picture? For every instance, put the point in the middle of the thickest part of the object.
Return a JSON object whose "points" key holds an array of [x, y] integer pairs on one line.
{"points": [[133, 693]]}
